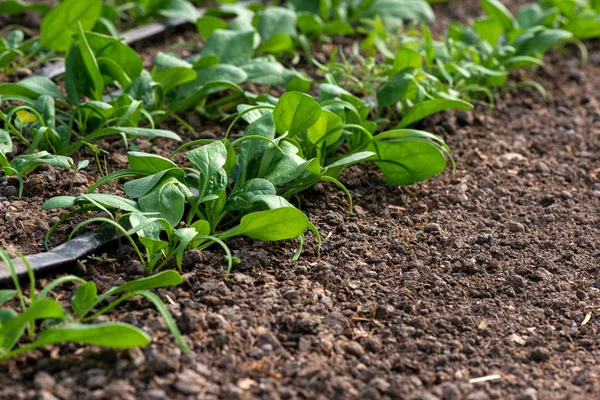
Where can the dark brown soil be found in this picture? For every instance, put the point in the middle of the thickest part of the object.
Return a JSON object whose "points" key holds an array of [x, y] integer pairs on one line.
{"points": [[488, 272]]}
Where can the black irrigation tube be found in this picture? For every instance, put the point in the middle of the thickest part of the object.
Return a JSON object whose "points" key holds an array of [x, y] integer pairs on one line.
{"points": [[67, 252], [87, 243]]}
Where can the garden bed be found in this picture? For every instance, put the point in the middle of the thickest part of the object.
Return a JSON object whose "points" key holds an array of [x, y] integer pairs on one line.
{"points": [[478, 284]]}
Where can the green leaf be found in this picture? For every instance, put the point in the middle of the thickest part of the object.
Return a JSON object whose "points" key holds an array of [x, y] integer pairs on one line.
{"points": [[497, 10], [520, 62], [7, 295], [166, 199], [254, 148], [59, 202], [351, 159], [45, 106], [407, 156], [163, 61], [109, 201], [309, 6], [15, 7], [299, 83], [142, 89], [310, 24], [136, 132], [175, 76], [40, 309], [32, 87], [242, 197], [584, 27], [270, 201], [110, 334], [114, 49], [178, 9], [185, 236], [152, 245], [429, 107], [6, 145], [231, 47], [208, 80], [202, 227], [161, 279], [337, 27], [407, 58], [412, 10], [396, 88], [209, 160], [28, 162], [266, 72], [277, 20], [83, 76], [60, 24], [151, 163], [291, 167], [84, 299], [541, 41], [271, 225], [140, 187], [489, 29], [6, 315], [295, 112], [532, 15], [208, 24], [98, 109], [328, 127]]}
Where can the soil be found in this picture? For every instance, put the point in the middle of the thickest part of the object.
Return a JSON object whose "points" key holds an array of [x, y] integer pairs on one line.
{"points": [[489, 272]]}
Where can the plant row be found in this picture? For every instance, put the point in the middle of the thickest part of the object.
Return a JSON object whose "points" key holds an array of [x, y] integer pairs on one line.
{"points": [[365, 110]]}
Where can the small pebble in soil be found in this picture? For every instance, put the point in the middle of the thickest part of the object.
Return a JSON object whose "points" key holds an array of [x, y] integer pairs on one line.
{"points": [[464, 118], [136, 268], [451, 392], [425, 396], [380, 384], [479, 395], [354, 348], [154, 394], [189, 382], [539, 354], [542, 167], [487, 185], [43, 380], [432, 227], [484, 239], [383, 311], [326, 248], [23, 72], [566, 195], [547, 200], [96, 381], [80, 179], [529, 394], [515, 227], [411, 276]]}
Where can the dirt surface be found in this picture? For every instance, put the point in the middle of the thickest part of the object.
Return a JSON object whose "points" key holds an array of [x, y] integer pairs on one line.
{"points": [[488, 272]]}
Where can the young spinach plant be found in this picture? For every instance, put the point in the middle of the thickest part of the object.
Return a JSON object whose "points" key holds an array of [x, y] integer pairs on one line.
{"points": [[59, 326]]}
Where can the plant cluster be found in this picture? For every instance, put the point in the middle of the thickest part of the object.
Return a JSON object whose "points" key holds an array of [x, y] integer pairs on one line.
{"points": [[245, 184], [58, 326]]}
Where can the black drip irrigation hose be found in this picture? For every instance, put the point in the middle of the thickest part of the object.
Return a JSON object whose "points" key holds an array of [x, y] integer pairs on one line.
{"points": [[67, 252]]}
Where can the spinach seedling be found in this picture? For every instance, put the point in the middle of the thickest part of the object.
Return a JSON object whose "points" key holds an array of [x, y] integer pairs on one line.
{"points": [[58, 326]]}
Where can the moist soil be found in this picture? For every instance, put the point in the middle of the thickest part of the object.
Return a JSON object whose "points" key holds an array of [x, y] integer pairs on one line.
{"points": [[489, 272]]}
